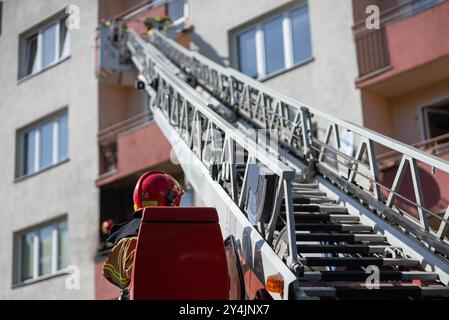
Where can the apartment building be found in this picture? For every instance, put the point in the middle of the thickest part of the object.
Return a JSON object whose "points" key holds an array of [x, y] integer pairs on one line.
{"points": [[49, 157]]}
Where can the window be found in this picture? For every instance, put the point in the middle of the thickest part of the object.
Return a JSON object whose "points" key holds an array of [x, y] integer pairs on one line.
{"points": [[43, 144], [302, 48], [276, 44], [41, 251], [177, 10], [187, 199], [42, 47], [247, 53], [436, 120]]}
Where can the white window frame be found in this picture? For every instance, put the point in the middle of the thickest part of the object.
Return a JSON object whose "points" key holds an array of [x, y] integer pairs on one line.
{"points": [[60, 55], [287, 34], [55, 268], [56, 151]]}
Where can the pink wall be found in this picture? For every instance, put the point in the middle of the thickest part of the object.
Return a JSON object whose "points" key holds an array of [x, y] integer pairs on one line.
{"points": [[138, 150], [415, 41], [142, 148], [419, 39]]}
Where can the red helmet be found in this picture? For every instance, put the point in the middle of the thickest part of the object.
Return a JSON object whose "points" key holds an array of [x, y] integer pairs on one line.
{"points": [[156, 188]]}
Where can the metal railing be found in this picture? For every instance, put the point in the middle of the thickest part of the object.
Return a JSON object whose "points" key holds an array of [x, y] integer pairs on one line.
{"points": [[292, 120], [226, 152], [372, 45], [436, 146]]}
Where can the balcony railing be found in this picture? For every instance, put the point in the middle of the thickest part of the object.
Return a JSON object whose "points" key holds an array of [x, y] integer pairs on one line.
{"points": [[436, 146], [372, 46], [107, 139]]}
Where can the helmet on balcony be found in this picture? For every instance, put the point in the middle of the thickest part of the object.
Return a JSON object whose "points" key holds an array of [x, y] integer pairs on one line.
{"points": [[156, 188]]}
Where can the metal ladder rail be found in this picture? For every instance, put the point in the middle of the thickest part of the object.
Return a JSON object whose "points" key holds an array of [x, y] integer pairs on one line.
{"points": [[358, 261], [220, 80]]}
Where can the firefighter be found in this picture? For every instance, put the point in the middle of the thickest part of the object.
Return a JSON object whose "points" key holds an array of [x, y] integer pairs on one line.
{"points": [[154, 188]]}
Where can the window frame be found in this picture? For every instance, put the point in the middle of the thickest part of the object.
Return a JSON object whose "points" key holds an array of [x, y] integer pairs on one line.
{"points": [[60, 55], [424, 115], [287, 37], [56, 268], [21, 159], [185, 8]]}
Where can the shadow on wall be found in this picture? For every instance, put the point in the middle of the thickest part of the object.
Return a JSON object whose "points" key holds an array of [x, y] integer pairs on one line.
{"points": [[207, 50]]}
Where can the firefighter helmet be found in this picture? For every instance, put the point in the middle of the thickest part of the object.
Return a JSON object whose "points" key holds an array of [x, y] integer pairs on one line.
{"points": [[156, 188]]}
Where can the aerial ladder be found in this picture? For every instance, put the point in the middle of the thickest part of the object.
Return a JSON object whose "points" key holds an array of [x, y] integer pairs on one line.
{"points": [[297, 206]]}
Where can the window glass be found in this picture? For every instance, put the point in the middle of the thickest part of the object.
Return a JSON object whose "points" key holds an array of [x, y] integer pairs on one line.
{"points": [[45, 250], [63, 138], [302, 48], [437, 120], [175, 9], [31, 53], [27, 257], [247, 53], [187, 199], [30, 151], [274, 45], [49, 45], [46, 147], [63, 245], [63, 39]]}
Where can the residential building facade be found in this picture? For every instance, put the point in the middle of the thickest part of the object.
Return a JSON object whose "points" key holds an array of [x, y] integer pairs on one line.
{"points": [[49, 158], [76, 135]]}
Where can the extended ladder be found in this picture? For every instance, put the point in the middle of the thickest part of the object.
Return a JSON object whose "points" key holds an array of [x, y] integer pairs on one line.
{"points": [[329, 227]]}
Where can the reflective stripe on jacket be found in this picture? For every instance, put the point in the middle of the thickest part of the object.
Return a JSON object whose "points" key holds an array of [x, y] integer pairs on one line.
{"points": [[119, 264]]}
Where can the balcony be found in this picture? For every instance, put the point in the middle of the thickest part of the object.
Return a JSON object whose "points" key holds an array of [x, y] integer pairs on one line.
{"points": [[107, 140], [410, 49], [131, 146]]}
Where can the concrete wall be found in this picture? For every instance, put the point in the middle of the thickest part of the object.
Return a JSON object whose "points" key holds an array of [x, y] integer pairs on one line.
{"points": [[407, 111], [68, 188], [326, 83], [400, 117]]}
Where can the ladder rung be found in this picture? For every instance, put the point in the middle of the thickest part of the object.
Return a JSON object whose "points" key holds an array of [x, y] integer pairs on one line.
{"points": [[358, 261], [339, 237], [304, 185], [361, 292], [325, 217], [362, 276], [314, 200], [362, 249], [308, 192], [318, 208], [333, 227]]}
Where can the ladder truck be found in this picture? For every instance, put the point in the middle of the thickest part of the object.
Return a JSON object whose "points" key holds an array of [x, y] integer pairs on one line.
{"points": [[307, 220]]}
